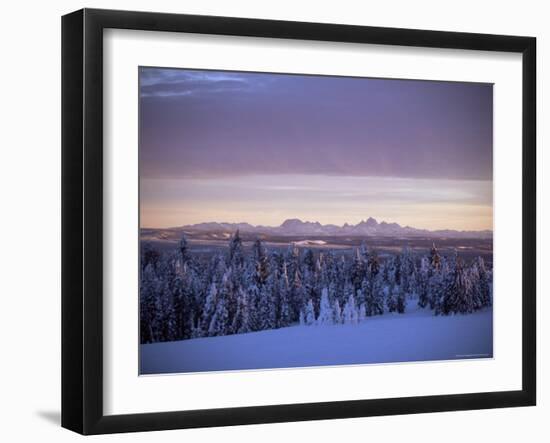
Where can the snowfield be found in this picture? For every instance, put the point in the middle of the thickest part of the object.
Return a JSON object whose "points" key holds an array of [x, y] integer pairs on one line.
{"points": [[417, 335]]}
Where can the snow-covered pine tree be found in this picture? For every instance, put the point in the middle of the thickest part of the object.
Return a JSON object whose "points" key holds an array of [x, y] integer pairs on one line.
{"points": [[319, 263], [350, 313], [482, 283], [401, 301], [457, 297], [326, 315], [375, 302], [435, 259], [292, 259], [363, 292], [406, 270], [391, 287], [239, 323], [297, 296], [284, 276], [220, 319], [182, 307], [465, 303], [337, 313], [253, 299], [236, 253], [183, 250], [149, 287], [436, 287], [309, 261], [267, 306], [364, 251], [196, 330], [358, 270], [166, 329], [209, 307], [149, 255], [229, 289], [260, 262], [285, 314], [397, 269], [392, 294], [422, 282], [309, 285], [362, 313], [309, 314], [332, 278], [218, 269], [366, 296], [373, 264], [333, 292]]}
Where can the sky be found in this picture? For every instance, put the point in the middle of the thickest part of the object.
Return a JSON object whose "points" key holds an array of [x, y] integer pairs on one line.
{"points": [[261, 148]]}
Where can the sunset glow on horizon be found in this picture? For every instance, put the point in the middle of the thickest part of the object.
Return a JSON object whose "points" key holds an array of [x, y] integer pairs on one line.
{"points": [[233, 147]]}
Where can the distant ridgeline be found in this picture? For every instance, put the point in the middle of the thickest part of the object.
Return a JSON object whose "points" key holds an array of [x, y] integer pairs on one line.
{"points": [[297, 227], [184, 296]]}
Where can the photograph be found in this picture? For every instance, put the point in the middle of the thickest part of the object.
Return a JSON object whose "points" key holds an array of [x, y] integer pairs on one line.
{"points": [[291, 220]]}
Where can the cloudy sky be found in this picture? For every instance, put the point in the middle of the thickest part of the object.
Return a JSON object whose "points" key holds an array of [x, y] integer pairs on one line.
{"points": [[260, 148]]}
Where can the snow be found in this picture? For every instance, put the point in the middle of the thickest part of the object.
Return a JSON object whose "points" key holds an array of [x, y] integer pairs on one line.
{"points": [[310, 243], [417, 335]]}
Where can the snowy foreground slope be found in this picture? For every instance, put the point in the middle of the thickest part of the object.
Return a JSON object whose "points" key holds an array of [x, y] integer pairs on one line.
{"points": [[417, 335]]}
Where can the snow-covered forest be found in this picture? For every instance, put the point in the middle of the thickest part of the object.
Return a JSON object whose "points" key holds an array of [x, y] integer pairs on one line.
{"points": [[185, 295]]}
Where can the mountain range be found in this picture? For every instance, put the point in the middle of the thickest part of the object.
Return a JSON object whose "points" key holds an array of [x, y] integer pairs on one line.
{"points": [[368, 227]]}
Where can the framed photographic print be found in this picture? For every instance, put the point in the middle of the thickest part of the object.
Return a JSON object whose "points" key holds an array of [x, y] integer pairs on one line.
{"points": [[269, 221]]}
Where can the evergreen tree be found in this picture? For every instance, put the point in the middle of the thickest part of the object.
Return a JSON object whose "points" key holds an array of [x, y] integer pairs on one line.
{"points": [[326, 314], [183, 250], [423, 279], [362, 313], [406, 267], [392, 293], [149, 256], [358, 270], [350, 313], [260, 262], [374, 302], [457, 297], [220, 319], [309, 314], [337, 313], [297, 296], [236, 254], [373, 264], [167, 323], [285, 313], [267, 307], [310, 289], [309, 261], [292, 260], [397, 270], [209, 308], [240, 323], [401, 301], [149, 288], [436, 288], [254, 316], [481, 281], [435, 259]]}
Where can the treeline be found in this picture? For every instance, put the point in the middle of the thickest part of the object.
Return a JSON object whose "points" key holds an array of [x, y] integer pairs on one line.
{"points": [[184, 296]]}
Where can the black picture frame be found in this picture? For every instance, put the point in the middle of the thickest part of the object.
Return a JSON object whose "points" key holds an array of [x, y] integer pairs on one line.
{"points": [[82, 218]]}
